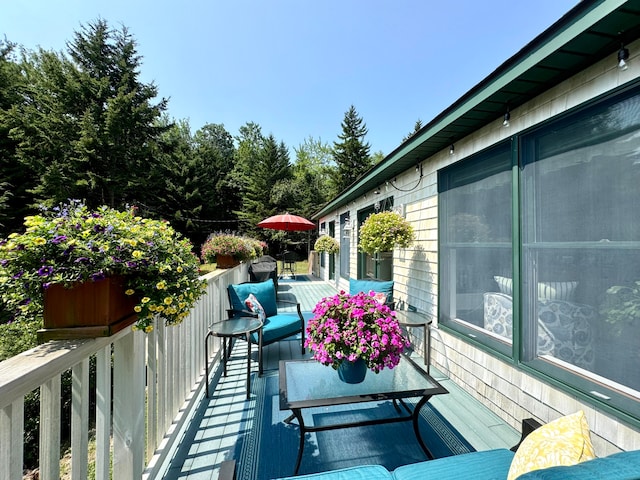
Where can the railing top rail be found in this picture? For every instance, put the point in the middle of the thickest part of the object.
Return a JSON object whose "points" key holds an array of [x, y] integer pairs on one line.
{"points": [[28, 370]]}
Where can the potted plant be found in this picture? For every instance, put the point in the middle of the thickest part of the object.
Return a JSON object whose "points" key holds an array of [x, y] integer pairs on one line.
{"points": [[355, 332], [72, 250], [327, 244], [621, 309], [228, 250], [384, 231]]}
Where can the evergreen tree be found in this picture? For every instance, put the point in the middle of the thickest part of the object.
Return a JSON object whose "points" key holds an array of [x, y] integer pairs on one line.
{"points": [[351, 153], [86, 125], [15, 180], [262, 167], [214, 152], [416, 129]]}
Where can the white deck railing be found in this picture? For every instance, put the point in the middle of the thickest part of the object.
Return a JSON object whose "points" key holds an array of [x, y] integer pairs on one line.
{"points": [[145, 384]]}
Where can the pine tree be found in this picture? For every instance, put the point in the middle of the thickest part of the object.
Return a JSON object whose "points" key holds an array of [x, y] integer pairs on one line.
{"points": [[351, 154], [86, 125]]}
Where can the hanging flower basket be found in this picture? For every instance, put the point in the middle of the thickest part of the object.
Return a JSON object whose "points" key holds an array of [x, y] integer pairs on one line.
{"points": [[384, 231], [88, 309]]}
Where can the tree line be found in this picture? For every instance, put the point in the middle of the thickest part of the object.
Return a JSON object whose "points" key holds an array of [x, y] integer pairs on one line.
{"points": [[80, 124]]}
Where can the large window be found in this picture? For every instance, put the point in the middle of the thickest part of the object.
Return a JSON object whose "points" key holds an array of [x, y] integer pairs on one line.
{"points": [[580, 207], [345, 245], [476, 246], [561, 293]]}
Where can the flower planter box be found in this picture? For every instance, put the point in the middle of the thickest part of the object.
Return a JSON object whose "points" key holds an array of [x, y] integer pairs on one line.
{"points": [[226, 261], [87, 310]]}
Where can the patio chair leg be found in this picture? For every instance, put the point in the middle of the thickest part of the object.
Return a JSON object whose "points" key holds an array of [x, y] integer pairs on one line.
{"points": [[260, 370]]}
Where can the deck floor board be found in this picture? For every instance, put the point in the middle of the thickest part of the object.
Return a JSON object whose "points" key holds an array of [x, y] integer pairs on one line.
{"points": [[224, 418]]}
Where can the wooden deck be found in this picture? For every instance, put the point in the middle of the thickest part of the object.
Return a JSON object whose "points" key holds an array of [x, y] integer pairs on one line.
{"points": [[217, 423]]}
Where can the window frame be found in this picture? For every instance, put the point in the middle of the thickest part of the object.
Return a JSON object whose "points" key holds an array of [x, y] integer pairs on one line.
{"points": [[589, 387]]}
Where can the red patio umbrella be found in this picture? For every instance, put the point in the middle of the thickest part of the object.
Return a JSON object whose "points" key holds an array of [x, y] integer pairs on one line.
{"points": [[287, 222]]}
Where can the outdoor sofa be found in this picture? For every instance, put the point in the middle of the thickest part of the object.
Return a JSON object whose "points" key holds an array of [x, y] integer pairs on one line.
{"points": [[560, 450]]}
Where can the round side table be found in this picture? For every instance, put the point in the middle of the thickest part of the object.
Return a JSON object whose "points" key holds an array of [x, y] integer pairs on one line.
{"points": [[237, 327], [411, 319]]}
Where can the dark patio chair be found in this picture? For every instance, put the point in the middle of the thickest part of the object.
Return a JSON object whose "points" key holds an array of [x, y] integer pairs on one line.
{"points": [[289, 263], [278, 324]]}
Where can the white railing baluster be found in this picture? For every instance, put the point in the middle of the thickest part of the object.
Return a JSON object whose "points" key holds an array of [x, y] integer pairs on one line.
{"points": [[128, 406], [152, 395], [11, 435], [103, 413], [49, 442], [80, 420]]}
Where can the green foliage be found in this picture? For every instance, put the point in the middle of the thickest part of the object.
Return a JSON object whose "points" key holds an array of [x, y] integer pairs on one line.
{"points": [[263, 170], [72, 243], [416, 129], [621, 307], [328, 244], [17, 337], [85, 125], [384, 231], [351, 154]]}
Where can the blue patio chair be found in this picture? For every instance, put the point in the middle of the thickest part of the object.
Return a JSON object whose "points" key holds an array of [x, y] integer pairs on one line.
{"points": [[278, 324]]}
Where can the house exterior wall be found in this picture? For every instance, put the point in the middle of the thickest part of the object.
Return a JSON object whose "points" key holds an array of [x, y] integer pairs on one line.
{"points": [[511, 393]]}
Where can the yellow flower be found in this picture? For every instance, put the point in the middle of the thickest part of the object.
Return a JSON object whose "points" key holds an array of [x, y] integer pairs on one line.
{"points": [[137, 309], [129, 292], [168, 300], [179, 269], [161, 285], [160, 308], [148, 328], [137, 254], [145, 300], [39, 241]]}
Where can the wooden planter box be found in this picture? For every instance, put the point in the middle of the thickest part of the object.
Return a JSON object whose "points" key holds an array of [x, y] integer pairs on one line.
{"points": [[87, 310], [226, 261]]}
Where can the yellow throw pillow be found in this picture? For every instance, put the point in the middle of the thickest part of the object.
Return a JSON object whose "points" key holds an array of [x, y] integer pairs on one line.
{"points": [[564, 441]]}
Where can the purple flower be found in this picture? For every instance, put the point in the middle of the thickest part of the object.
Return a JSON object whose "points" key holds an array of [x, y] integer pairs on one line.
{"points": [[45, 270], [58, 239], [97, 276]]}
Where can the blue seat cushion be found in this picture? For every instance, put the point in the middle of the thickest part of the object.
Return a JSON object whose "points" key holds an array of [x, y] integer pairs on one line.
{"points": [[364, 472], [265, 292], [485, 465], [278, 326], [619, 466], [380, 286]]}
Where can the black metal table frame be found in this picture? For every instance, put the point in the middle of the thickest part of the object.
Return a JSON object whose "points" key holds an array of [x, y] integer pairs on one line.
{"points": [[412, 415], [227, 345], [411, 319]]}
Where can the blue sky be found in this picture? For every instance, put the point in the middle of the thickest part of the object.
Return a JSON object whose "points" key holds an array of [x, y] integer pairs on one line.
{"points": [[295, 66]]}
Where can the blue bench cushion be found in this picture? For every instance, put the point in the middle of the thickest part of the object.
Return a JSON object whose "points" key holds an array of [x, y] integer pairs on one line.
{"points": [[381, 286], [278, 326], [619, 466], [485, 465], [364, 472], [265, 292]]}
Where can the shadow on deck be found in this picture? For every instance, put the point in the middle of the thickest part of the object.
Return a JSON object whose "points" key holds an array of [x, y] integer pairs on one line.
{"points": [[221, 423]]}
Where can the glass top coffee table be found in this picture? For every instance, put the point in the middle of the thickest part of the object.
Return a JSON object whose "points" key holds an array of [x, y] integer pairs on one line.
{"points": [[309, 384]]}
